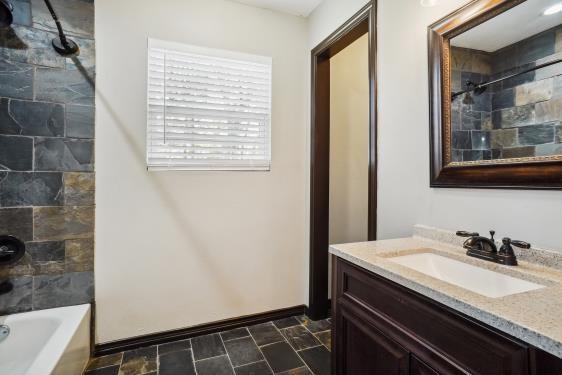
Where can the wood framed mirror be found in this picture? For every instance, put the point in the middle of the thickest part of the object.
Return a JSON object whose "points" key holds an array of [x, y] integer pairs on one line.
{"points": [[495, 76]]}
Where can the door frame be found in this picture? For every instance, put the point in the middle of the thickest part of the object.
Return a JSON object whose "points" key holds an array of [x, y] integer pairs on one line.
{"points": [[363, 22]]}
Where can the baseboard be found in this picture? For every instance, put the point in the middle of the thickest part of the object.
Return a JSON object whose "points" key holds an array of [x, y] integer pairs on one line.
{"points": [[203, 329]]}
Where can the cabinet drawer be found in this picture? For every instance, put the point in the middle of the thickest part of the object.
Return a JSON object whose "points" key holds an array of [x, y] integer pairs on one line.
{"points": [[474, 347]]}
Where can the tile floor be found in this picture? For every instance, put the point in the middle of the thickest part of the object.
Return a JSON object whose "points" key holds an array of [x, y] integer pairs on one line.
{"points": [[292, 346]]}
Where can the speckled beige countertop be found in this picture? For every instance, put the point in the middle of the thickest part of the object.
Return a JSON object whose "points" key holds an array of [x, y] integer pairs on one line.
{"points": [[534, 317]]}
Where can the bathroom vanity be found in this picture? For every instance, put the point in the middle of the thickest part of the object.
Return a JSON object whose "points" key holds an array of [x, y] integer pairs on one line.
{"points": [[390, 318]]}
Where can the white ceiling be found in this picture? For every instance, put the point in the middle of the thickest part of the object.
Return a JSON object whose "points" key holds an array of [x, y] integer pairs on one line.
{"points": [[516, 24], [295, 7]]}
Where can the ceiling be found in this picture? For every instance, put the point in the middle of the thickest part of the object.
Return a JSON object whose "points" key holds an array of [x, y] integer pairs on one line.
{"points": [[295, 7], [510, 27]]}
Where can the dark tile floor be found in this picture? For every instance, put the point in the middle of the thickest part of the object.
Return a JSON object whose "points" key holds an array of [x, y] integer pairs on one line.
{"points": [[292, 346]]}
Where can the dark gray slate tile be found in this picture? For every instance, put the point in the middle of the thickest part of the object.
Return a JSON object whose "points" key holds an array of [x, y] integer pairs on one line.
{"points": [[470, 120], [80, 121], [462, 140], [111, 370], [19, 299], [281, 357], [325, 338], [472, 155], [176, 363], [174, 347], [16, 153], [64, 86], [243, 351], [22, 12], [214, 366], [235, 334], [16, 80], [63, 290], [79, 255], [63, 223], [549, 149], [258, 368], [315, 326], [519, 80], [77, 16], [536, 47], [299, 337], [317, 359], [480, 140], [503, 99], [482, 102], [518, 152], [207, 346], [286, 323], [17, 222], [456, 117], [27, 45], [46, 251], [79, 189], [536, 135], [86, 59], [139, 361], [30, 189], [105, 361], [54, 154], [20, 117], [265, 333]]}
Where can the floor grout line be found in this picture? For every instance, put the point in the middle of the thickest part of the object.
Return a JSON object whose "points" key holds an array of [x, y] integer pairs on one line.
{"points": [[227, 355], [297, 353], [263, 355]]}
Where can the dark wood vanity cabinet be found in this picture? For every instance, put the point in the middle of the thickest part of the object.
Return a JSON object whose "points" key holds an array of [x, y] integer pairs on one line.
{"points": [[380, 327]]}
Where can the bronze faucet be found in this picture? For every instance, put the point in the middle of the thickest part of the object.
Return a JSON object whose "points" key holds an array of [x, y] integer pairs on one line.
{"points": [[485, 248]]}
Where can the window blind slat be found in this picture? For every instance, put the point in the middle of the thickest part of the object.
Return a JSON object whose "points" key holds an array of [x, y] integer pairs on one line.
{"points": [[207, 110]]}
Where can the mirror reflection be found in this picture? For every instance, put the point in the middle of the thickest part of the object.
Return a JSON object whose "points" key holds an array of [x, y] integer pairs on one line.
{"points": [[506, 85]]}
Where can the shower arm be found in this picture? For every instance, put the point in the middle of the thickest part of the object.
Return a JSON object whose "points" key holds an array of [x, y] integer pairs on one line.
{"points": [[63, 45], [483, 85]]}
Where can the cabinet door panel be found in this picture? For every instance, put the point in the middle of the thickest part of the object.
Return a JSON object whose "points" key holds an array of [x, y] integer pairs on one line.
{"points": [[366, 351], [470, 345], [418, 367]]}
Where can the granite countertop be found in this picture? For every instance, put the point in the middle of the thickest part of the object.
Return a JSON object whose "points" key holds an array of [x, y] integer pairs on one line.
{"points": [[534, 317]]}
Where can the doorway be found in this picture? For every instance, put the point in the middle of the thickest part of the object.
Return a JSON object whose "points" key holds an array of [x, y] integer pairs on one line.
{"points": [[362, 25]]}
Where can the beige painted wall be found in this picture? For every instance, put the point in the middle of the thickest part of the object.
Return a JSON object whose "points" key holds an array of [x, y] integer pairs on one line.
{"points": [[176, 249], [349, 143], [404, 195]]}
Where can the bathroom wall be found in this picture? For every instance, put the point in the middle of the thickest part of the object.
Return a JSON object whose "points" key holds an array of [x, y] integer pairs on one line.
{"points": [[349, 143], [404, 195], [518, 117], [176, 249], [47, 156]]}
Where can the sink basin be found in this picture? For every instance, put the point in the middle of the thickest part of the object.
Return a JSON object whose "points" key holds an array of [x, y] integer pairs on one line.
{"points": [[479, 280]]}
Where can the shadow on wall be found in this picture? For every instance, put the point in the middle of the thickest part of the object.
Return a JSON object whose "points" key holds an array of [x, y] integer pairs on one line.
{"points": [[181, 221]]}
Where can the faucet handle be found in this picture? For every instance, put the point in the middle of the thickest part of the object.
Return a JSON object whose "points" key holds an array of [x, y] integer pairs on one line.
{"points": [[462, 233], [492, 234], [521, 244]]}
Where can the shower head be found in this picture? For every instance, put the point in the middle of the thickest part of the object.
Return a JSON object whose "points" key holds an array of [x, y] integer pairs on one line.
{"points": [[6, 13]]}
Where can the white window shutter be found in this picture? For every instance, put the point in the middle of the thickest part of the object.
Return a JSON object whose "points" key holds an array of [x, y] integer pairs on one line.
{"points": [[207, 109]]}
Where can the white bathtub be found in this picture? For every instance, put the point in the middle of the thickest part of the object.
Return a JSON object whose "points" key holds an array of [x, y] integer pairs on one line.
{"points": [[54, 341]]}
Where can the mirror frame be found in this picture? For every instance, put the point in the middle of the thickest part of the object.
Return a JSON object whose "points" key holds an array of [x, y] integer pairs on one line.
{"points": [[543, 172]]}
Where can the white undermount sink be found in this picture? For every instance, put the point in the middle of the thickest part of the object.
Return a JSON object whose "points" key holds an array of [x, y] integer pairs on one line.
{"points": [[479, 280]]}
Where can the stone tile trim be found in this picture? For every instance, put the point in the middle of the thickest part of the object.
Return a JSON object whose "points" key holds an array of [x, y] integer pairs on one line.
{"points": [[540, 256]]}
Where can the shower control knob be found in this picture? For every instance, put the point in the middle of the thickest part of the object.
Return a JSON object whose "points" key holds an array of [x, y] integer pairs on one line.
{"points": [[11, 250]]}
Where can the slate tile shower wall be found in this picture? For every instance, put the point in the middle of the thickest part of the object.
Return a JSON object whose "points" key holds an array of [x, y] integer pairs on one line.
{"points": [[47, 185], [519, 117]]}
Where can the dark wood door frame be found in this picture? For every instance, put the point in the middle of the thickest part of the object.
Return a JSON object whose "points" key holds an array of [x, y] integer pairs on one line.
{"points": [[361, 23]]}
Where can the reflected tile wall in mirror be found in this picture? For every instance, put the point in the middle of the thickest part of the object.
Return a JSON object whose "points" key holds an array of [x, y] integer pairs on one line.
{"points": [[518, 117]]}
